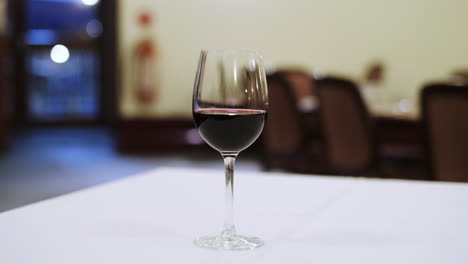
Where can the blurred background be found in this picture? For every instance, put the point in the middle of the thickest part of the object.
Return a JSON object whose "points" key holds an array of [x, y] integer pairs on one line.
{"points": [[96, 90]]}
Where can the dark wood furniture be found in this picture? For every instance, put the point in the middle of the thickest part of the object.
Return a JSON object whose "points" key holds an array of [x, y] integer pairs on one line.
{"points": [[445, 117], [399, 139], [302, 87], [284, 137], [156, 136], [348, 139], [301, 83]]}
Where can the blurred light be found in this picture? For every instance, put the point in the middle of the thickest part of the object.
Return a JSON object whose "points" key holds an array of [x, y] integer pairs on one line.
{"points": [[90, 2], [193, 137], [40, 37], [59, 54], [405, 105], [318, 73], [94, 28]]}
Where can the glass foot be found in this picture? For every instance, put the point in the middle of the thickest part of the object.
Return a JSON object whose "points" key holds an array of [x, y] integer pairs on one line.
{"points": [[233, 242]]}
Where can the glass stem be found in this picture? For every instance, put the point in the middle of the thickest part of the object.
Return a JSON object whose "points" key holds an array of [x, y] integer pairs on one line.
{"points": [[229, 229]]}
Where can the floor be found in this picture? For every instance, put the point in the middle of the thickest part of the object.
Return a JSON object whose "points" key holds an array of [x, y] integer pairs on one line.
{"points": [[44, 163]]}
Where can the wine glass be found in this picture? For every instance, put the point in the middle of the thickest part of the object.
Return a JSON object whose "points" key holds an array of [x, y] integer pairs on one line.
{"points": [[230, 102]]}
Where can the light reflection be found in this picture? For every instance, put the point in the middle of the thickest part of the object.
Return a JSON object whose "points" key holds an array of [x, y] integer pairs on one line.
{"points": [[404, 105], [90, 2], [59, 54], [193, 137], [94, 28]]}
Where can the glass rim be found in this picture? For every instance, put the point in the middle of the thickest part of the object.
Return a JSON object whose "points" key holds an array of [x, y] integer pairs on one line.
{"points": [[247, 51]]}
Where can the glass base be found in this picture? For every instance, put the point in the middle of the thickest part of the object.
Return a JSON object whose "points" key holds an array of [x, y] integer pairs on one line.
{"points": [[232, 242]]}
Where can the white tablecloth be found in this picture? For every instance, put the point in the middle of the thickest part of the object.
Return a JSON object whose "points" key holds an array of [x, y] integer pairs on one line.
{"points": [[154, 217]]}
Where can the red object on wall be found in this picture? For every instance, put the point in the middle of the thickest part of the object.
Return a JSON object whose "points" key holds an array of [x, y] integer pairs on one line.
{"points": [[146, 55]]}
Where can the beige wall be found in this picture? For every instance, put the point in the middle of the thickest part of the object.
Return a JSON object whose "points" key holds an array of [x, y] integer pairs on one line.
{"points": [[417, 40]]}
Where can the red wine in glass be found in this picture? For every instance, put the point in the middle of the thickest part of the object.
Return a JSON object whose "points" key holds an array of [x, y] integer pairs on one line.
{"points": [[229, 130]]}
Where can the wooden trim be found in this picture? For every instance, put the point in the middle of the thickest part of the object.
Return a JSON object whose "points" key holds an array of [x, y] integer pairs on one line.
{"points": [[3, 91], [17, 22], [156, 136], [108, 50], [68, 123]]}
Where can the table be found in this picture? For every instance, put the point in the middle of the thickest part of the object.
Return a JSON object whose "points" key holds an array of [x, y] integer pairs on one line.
{"points": [[153, 218], [398, 126], [396, 111], [383, 105]]}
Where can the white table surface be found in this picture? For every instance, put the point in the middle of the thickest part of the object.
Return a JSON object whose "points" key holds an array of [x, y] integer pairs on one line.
{"points": [[154, 217]]}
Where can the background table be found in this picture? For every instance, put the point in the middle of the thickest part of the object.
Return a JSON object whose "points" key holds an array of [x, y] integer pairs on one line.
{"points": [[383, 104], [154, 217]]}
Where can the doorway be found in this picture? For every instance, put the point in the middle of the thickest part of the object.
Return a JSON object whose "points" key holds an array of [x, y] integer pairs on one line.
{"points": [[65, 53]]}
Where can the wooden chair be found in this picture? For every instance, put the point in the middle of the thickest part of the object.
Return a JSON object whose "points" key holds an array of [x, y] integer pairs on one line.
{"points": [[445, 118], [347, 132], [283, 136], [302, 87]]}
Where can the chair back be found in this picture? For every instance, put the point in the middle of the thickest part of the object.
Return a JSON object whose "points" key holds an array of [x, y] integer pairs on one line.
{"points": [[445, 115], [302, 86], [283, 133], [346, 129]]}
